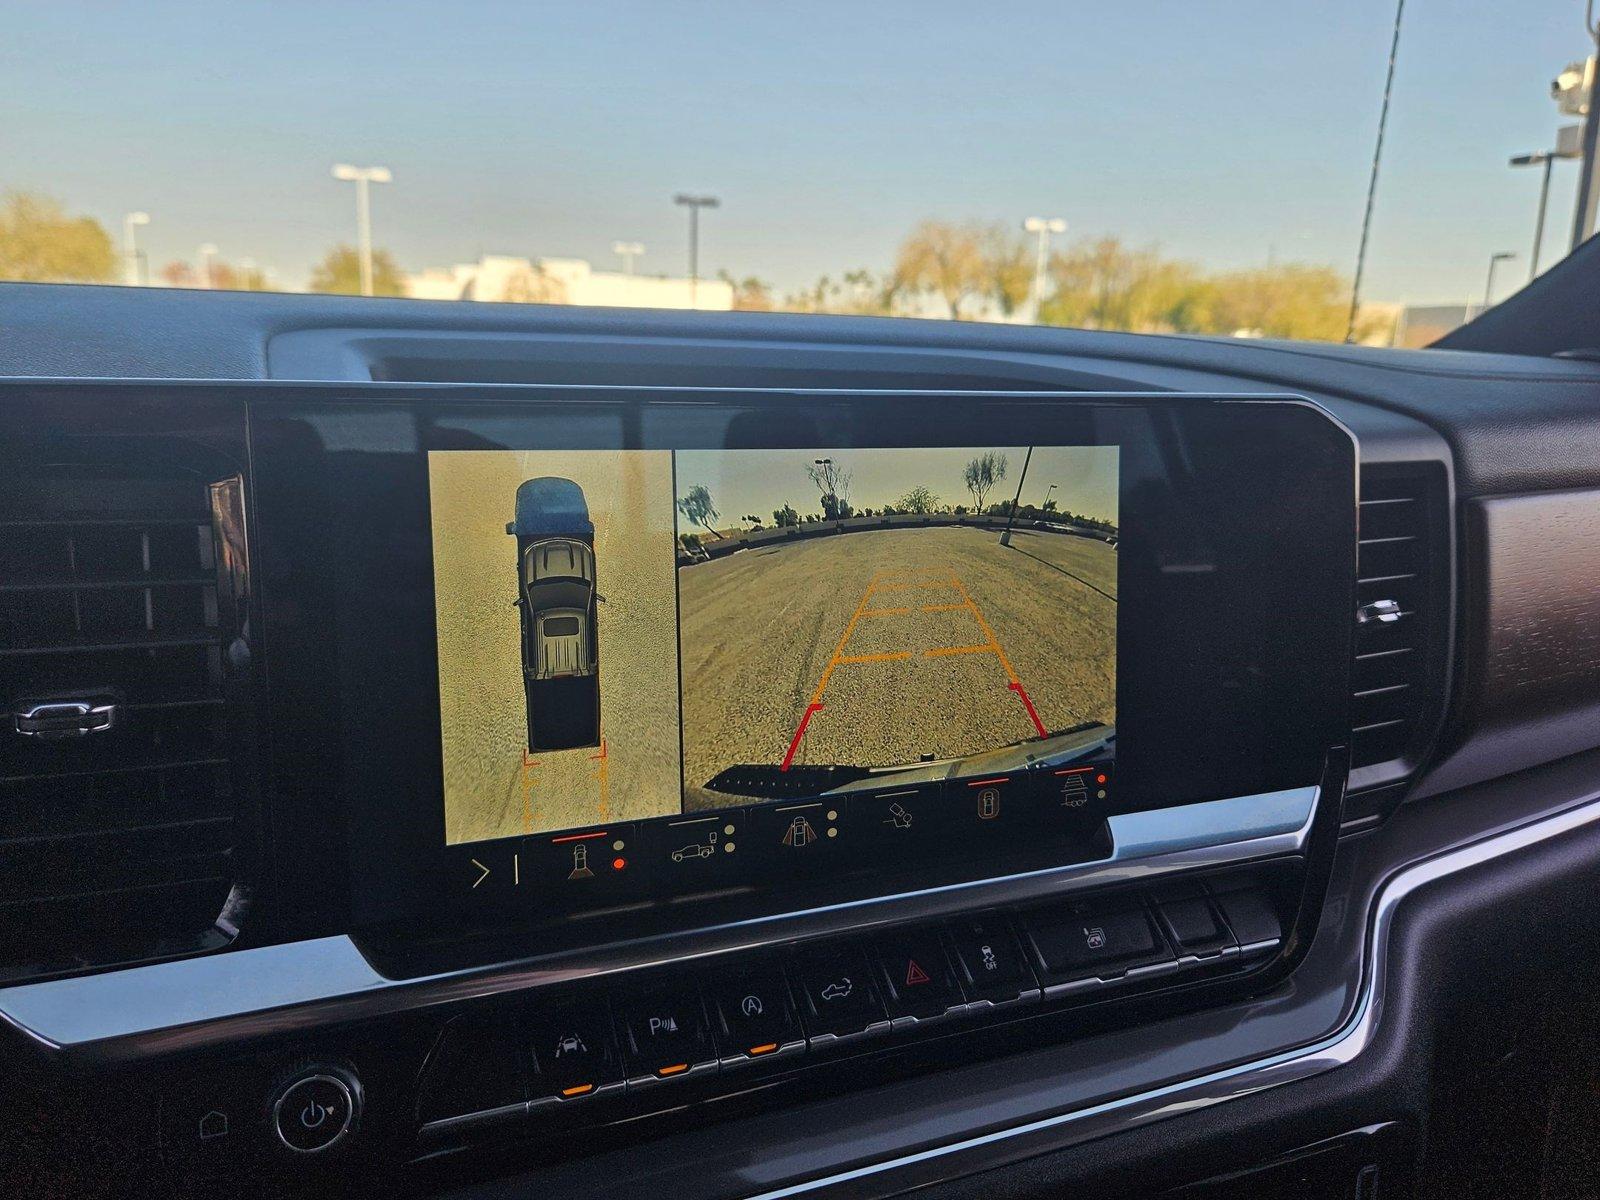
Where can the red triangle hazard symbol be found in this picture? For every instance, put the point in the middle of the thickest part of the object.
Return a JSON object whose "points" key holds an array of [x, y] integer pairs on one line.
{"points": [[914, 973]]}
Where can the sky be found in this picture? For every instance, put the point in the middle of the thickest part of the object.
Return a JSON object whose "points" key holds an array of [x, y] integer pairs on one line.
{"points": [[1227, 132], [763, 481]]}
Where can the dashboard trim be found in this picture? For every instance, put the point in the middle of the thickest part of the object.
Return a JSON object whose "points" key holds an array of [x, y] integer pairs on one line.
{"points": [[1340, 1048], [190, 1003]]}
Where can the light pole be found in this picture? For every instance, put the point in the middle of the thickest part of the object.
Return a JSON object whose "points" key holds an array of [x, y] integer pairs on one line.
{"points": [[1043, 227], [629, 251], [362, 177], [694, 204], [1045, 503], [208, 251], [1546, 159], [1494, 262], [130, 245]]}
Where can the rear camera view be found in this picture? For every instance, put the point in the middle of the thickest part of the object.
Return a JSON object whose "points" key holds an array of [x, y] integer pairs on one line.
{"points": [[848, 612], [640, 634]]}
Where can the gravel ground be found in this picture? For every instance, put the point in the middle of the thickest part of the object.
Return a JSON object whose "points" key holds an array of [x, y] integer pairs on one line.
{"points": [[488, 791], [761, 627]]}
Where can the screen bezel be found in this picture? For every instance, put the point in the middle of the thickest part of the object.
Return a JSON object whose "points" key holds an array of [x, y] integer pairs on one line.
{"points": [[319, 451]]}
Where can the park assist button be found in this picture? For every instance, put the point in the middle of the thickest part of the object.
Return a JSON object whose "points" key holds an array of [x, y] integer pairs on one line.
{"points": [[1092, 940], [315, 1112], [664, 1034]]}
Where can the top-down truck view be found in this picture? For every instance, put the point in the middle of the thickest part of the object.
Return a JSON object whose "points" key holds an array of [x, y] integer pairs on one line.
{"points": [[556, 595]]}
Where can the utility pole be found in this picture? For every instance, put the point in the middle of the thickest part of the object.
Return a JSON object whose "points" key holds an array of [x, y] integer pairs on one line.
{"points": [[1011, 517], [629, 251], [1043, 227], [1583, 212], [130, 246], [694, 204], [1372, 180], [1488, 287], [363, 177]]}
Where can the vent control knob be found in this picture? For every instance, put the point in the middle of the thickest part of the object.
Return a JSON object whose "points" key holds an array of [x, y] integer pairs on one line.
{"points": [[1381, 612]]}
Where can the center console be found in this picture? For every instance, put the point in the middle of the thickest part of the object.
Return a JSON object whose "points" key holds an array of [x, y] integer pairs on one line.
{"points": [[615, 752]]}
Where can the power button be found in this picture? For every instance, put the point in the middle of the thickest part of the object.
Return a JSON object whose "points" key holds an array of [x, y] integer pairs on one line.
{"points": [[316, 1111]]}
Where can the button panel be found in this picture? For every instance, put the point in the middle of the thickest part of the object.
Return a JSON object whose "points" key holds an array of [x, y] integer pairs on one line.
{"points": [[815, 998]]}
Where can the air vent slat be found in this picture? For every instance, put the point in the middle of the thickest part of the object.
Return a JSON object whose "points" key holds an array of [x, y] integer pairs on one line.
{"points": [[1395, 562], [119, 843]]}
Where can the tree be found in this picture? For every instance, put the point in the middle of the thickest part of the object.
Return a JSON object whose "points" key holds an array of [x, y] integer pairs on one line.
{"points": [[224, 277], [1007, 268], [982, 473], [858, 293], [528, 286], [340, 272], [698, 509], [750, 294], [40, 243], [944, 259], [785, 517], [1290, 300], [919, 500], [833, 481], [755, 521], [1102, 284]]}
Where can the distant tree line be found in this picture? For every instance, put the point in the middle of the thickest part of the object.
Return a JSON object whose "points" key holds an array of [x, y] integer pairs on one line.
{"points": [[966, 271]]}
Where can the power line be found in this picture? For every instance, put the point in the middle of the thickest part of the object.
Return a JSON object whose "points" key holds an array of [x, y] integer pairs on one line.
{"points": [[1372, 182]]}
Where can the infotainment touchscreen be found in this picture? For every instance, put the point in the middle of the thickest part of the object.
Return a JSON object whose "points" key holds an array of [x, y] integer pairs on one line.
{"points": [[543, 653], [626, 635]]}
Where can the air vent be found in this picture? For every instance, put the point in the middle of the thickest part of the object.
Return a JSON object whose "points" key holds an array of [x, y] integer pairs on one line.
{"points": [[121, 599], [1402, 619]]}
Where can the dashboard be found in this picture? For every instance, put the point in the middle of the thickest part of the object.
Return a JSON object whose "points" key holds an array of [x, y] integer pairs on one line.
{"points": [[461, 753]]}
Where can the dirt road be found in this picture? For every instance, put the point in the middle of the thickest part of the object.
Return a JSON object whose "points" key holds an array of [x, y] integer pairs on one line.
{"points": [[892, 644], [492, 789]]}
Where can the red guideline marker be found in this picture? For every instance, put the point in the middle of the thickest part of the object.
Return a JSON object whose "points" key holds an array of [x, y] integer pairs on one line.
{"points": [[1028, 704], [800, 732]]}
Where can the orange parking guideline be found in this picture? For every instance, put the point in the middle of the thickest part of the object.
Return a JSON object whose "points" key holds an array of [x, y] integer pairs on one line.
{"points": [[885, 656], [994, 643], [605, 782]]}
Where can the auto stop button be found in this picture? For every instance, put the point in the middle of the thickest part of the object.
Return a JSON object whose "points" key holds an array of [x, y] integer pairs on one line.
{"points": [[316, 1111]]}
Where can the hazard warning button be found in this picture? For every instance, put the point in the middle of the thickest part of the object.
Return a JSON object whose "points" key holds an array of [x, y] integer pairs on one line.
{"points": [[916, 975]]}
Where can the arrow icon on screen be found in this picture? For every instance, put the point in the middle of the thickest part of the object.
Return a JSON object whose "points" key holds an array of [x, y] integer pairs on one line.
{"points": [[482, 868]]}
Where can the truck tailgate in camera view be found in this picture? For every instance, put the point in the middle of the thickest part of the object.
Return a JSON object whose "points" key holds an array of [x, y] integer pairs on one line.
{"points": [[556, 585], [705, 629]]}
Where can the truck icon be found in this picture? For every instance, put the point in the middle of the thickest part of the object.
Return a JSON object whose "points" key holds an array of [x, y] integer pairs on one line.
{"points": [[558, 602]]}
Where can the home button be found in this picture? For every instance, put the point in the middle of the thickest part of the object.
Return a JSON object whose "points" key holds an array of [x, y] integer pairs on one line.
{"points": [[315, 1111]]}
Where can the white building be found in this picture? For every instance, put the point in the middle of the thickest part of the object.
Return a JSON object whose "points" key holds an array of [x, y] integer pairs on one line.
{"points": [[564, 281]]}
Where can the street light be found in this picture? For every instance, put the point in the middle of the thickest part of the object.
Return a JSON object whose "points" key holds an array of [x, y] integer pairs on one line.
{"points": [[208, 251], [362, 177], [1494, 261], [1044, 227], [1547, 159], [629, 251], [694, 204], [130, 245], [1046, 501]]}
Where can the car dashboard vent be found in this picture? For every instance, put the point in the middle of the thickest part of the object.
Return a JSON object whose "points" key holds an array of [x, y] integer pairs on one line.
{"points": [[1402, 620], [123, 642]]}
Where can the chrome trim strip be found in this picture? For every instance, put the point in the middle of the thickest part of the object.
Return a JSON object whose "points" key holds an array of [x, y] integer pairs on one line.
{"points": [[207, 1000], [1183, 1096]]}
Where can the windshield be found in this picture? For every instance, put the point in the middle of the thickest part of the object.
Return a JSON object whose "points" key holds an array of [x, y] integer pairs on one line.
{"points": [[1190, 168]]}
